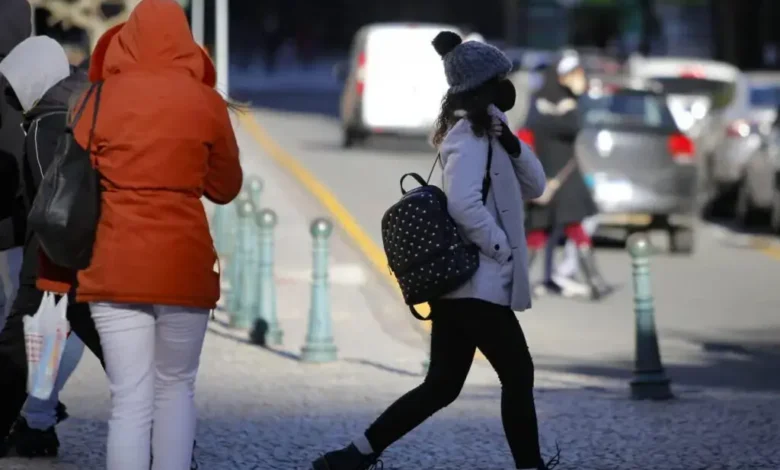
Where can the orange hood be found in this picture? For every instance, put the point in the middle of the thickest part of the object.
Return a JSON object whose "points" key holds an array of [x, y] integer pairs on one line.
{"points": [[156, 36]]}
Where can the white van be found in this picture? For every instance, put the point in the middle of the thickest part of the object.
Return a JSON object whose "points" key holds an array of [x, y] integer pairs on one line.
{"points": [[394, 81]]}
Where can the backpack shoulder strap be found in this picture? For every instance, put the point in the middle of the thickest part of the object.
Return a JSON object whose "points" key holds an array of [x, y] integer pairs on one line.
{"points": [[486, 179], [417, 314], [77, 115]]}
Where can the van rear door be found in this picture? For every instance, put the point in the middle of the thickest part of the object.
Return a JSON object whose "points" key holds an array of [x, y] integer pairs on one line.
{"points": [[404, 78]]}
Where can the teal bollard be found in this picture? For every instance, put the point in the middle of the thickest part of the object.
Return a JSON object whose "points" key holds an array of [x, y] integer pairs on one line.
{"points": [[650, 380], [267, 329], [250, 258], [320, 346], [245, 209], [215, 224], [225, 226], [255, 186], [227, 246]]}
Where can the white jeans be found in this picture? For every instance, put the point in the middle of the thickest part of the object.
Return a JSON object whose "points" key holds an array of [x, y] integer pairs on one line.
{"points": [[152, 353]]}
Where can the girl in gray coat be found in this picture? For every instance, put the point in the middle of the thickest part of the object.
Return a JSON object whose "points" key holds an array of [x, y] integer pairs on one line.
{"points": [[481, 313]]}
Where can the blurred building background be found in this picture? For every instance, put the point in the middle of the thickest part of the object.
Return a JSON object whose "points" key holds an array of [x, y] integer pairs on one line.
{"points": [[742, 32]]}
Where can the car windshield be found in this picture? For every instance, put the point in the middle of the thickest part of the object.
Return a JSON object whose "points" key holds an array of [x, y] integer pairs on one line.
{"points": [[628, 109], [721, 93]]}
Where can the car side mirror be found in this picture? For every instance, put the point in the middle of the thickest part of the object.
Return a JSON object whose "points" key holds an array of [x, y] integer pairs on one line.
{"points": [[340, 71]]}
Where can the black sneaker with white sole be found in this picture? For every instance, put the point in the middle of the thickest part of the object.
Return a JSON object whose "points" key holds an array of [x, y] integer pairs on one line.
{"points": [[348, 458]]}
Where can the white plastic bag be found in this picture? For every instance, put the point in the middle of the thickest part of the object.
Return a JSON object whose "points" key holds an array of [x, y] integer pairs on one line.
{"points": [[45, 335]]}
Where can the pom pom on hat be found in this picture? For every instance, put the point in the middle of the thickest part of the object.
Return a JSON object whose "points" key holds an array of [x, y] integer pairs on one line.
{"points": [[445, 42]]}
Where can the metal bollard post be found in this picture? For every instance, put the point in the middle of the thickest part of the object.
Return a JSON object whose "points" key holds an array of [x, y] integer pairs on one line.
{"points": [[216, 221], [266, 330], [255, 186], [650, 380], [250, 258], [238, 268], [320, 346], [225, 227], [225, 242]]}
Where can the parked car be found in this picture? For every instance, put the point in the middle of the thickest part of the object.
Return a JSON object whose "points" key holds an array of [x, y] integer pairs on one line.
{"points": [[710, 102], [774, 214], [758, 194], [642, 166], [394, 81]]}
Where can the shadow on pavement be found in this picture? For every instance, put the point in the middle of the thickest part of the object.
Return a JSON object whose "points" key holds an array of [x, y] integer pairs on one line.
{"points": [[747, 365], [382, 367], [252, 339]]}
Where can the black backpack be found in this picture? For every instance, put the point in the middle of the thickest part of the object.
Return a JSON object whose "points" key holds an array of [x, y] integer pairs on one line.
{"points": [[424, 248], [66, 209]]}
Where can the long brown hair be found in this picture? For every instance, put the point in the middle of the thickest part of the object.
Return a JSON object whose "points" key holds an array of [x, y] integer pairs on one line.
{"points": [[238, 107], [475, 105]]}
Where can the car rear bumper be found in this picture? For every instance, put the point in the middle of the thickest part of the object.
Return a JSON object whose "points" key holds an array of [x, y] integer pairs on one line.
{"points": [[400, 131], [676, 197]]}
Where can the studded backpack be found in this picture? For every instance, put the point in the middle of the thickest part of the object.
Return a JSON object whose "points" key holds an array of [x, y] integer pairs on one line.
{"points": [[424, 248]]}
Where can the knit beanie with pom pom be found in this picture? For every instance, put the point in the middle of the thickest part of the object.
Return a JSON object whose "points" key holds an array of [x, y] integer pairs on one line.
{"points": [[469, 64]]}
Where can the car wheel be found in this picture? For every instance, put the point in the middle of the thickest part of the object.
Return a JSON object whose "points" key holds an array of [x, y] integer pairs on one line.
{"points": [[744, 211], [775, 214], [681, 241], [351, 137]]}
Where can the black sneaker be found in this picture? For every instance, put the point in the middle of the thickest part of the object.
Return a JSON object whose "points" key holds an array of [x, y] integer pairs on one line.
{"points": [[62, 412], [33, 443], [348, 458], [553, 462]]}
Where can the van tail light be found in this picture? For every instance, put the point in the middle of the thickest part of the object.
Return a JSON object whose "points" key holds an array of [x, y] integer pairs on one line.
{"points": [[738, 129], [528, 137], [360, 73], [681, 148]]}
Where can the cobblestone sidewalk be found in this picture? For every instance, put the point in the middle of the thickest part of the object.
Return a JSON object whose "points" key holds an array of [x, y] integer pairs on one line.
{"points": [[264, 410]]}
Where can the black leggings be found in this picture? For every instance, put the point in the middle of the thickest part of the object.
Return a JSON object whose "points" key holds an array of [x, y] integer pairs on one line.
{"points": [[460, 326], [13, 357]]}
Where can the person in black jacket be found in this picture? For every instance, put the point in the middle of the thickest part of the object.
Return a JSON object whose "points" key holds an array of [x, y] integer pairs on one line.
{"points": [[15, 27], [44, 103], [554, 120]]}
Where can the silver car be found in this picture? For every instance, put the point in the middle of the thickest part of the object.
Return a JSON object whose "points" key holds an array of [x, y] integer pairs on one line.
{"points": [[756, 195], [642, 168], [710, 101]]}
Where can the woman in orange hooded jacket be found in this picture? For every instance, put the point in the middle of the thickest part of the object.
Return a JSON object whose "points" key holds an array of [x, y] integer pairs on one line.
{"points": [[162, 140]]}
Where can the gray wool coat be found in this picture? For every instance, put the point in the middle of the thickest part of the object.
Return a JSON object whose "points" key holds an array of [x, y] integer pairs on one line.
{"points": [[496, 227]]}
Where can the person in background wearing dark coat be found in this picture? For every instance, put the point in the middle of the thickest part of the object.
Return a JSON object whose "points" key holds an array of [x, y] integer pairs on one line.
{"points": [[40, 85], [555, 122], [15, 26]]}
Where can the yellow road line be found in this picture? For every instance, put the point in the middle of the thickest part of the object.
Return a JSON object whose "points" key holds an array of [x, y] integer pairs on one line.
{"points": [[772, 251], [351, 227]]}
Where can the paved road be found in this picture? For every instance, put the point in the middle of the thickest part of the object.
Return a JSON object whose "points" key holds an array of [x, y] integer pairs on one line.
{"points": [[263, 409], [716, 311]]}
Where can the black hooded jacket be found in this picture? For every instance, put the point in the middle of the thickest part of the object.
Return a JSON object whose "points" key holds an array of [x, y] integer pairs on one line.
{"points": [[554, 136], [15, 27], [44, 125]]}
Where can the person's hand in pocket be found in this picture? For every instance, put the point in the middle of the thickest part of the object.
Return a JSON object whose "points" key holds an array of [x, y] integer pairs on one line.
{"points": [[502, 253]]}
